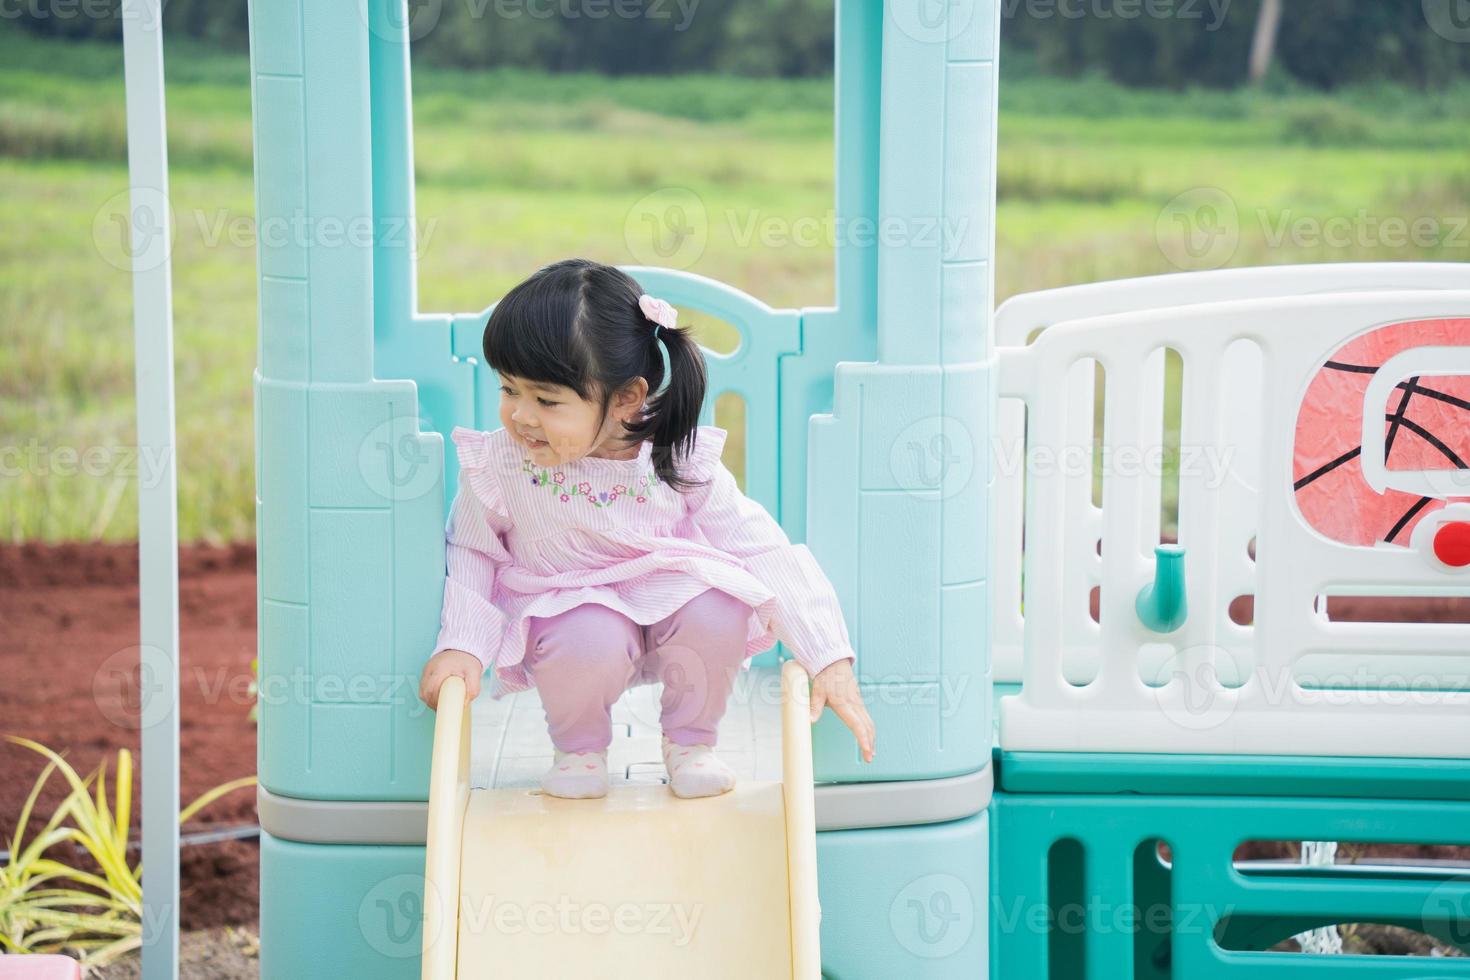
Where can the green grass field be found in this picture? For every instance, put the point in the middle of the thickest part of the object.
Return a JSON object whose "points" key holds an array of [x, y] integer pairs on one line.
{"points": [[515, 169]]}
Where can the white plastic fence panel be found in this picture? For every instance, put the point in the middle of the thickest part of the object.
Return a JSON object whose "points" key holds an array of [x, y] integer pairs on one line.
{"points": [[1021, 317], [1230, 688]]}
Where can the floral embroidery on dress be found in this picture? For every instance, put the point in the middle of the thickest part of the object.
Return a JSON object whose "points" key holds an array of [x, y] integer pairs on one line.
{"points": [[556, 480]]}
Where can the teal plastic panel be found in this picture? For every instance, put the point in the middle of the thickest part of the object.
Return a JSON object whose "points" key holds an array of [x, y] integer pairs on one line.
{"points": [[911, 188], [281, 475], [338, 222], [446, 383], [284, 353], [340, 714], [350, 496], [1257, 775], [972, 37], [858, 77], [905, 901], [956, 460], [333, 910], [351, 609], [352, 554], [400, 340], [276, 36], [966, 288], [280, 169], [1073, 898], [902, 535]]}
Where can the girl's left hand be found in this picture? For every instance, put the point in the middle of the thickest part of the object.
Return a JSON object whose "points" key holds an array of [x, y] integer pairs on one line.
{"points": [[836, 686]]}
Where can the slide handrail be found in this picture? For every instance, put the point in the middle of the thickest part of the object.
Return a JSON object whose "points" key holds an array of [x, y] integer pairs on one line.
{"points": [[449, 797], [801, 822]]}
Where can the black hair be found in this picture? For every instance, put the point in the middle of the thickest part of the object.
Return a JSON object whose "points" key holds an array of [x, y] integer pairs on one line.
{"points": [[577, 323]]}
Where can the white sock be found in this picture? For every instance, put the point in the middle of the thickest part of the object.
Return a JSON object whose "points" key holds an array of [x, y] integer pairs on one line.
{"points": [[577, 775], [695, 770]]}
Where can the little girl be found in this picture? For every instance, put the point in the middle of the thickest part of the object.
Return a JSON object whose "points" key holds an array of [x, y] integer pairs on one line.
{"points": [[597, 542]]}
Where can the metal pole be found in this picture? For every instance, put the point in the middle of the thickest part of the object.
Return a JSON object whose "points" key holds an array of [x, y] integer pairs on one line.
{"points": [[158, 526]]}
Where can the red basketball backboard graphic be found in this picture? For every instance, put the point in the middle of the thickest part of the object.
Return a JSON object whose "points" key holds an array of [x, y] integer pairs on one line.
{"points": [[1418, 376]]}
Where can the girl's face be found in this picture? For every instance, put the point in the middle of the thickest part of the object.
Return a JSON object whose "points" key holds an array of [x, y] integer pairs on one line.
{"points": [[554, 425]]}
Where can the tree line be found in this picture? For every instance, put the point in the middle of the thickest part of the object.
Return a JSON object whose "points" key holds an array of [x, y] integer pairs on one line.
{"points": [[1154, 43]]}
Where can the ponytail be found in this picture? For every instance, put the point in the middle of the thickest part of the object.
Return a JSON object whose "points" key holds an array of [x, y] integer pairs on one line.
{"points": [[672, 419]]}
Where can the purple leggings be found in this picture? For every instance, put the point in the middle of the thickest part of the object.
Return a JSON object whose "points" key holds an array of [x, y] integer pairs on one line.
{"points": [[583, 659]]}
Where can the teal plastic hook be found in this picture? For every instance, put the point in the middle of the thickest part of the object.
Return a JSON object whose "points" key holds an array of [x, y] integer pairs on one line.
{"points": [[1162, 605]]}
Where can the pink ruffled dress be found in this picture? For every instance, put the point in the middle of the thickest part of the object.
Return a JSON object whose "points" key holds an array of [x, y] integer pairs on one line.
{"points": [[526, 540]]}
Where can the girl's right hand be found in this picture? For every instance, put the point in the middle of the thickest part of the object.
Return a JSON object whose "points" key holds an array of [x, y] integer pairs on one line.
{"points": [[836, 687], [450, 663]]}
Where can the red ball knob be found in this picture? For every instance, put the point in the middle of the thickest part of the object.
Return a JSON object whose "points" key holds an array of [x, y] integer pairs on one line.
{"points": [[1452, 544]]}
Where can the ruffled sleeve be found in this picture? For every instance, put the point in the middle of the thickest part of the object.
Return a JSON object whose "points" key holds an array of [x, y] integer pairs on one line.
{"points": [[808, 616], [474, 552]]}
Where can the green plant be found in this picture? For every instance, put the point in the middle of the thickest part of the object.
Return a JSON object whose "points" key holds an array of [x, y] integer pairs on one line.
{"points": [[47, 906]]}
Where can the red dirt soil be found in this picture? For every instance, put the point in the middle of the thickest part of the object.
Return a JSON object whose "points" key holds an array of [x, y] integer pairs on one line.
{"points": [[68, 648]]}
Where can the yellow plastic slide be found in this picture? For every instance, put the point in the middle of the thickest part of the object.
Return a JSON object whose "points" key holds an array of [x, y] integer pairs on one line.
{"points": [[637, 883]]}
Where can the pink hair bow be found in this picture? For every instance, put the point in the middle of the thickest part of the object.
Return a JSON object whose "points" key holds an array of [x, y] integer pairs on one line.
{"points": [[658, 311]]}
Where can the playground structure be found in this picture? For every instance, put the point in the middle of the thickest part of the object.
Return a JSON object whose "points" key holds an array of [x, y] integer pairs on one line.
{"points": [[897, 395]]}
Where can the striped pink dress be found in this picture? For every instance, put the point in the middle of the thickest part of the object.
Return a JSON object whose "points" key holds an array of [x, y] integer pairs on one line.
{"points": [[525, 540]]}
